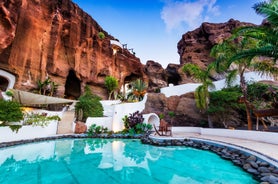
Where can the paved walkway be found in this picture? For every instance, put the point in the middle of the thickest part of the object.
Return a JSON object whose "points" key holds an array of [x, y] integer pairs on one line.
{"points": [[65, 125], [267, 149]]}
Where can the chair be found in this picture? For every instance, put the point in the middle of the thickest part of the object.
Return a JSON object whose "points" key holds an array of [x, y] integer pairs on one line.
{"points": [[164, 129]]}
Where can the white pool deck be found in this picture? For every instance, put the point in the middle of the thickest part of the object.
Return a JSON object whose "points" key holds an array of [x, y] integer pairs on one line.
{"points": [[253, 147]]}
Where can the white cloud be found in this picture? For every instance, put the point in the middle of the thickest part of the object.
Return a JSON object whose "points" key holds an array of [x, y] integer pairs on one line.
{"points": [[190, 13]]}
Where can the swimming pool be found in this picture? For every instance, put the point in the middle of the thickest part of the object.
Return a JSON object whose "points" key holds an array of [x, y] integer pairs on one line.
{"points": [[114, 161]]}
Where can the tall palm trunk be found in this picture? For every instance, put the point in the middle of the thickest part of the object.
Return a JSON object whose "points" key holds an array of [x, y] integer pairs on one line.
{"points": [[210, 123], [243, 87]]}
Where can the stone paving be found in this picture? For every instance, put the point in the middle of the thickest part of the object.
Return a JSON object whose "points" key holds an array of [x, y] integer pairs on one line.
{"points": [[270, 150]]}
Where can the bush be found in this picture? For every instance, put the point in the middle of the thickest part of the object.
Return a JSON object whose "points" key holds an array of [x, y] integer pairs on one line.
{"points": [[134, 119], [9, 93], [88, 106], [111, 83], [10, 111], [36, 119], [94, 129], [224, 106], [101, 35], [134, 124]]}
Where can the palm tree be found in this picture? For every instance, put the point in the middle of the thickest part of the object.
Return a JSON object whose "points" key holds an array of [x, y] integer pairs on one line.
{"points": [[253, 48], [266, 35], [53, 88], [202, 92], [111, 83], [139, 89], [223, 54]]}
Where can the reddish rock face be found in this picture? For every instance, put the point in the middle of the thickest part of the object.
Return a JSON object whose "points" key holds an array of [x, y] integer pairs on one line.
{"points": [[156, 76], [56, 38], [186, 113], [195, 46]]}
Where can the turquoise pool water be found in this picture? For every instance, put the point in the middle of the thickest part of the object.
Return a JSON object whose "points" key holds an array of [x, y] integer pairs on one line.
{"points": [[78, 161]]}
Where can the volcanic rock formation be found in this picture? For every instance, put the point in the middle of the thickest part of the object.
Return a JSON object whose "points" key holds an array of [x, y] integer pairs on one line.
{"points": [[195, 46], [57, 39]]}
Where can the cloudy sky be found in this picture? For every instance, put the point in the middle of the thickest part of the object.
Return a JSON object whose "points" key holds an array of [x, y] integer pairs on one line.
{"points": [[153, 27]]}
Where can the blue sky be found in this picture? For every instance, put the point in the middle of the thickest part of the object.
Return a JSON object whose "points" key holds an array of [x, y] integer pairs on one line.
{"points": [[154, 27]]}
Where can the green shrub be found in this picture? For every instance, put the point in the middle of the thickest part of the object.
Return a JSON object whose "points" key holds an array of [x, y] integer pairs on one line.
{"points": [[10, 111], [134, 124], [36, 119], [88, 106], [15, 128], [111, 83], [94, 130], [101, 35], [161, 116], [9, 93]]}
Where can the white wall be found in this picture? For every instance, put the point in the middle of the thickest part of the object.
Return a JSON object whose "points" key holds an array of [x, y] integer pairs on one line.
{"points": [[190, 87], [151, 118], [268, 137], [106, 122], [28, 132], [120, 110], [108, 107]]}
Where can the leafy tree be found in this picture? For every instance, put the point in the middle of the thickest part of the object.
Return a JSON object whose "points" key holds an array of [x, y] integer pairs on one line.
{"points": [[111, 83], [88, 105], [262, 95], [10, 111], [266, 35], [224, 55], [202, 92], [244, 45], [223, 105]]}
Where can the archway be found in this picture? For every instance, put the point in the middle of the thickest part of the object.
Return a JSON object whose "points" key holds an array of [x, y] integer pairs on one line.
{"points": [[126, 86], [4, 83], [72, 86], [7, 80]]}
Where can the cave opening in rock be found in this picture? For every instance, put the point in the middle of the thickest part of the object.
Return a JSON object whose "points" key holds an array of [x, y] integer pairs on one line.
{"points": [[72, 86], [174, 79], [4, 83]]}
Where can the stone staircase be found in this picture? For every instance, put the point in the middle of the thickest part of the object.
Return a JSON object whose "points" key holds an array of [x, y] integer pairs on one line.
{"points": [[65, 125]]}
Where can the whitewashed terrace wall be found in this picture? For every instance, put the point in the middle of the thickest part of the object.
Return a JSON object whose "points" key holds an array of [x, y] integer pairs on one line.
{"points": [[116, 111], [267, 137], [28, 132], [190, 87]]}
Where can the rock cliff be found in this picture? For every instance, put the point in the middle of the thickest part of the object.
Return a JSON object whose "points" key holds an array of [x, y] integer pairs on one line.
{"points": [[57, 39], [195, 46]]}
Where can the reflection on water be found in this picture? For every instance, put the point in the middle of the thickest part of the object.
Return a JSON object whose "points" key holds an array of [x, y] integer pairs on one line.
{"points": [[113, 161], [117, 154]]}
